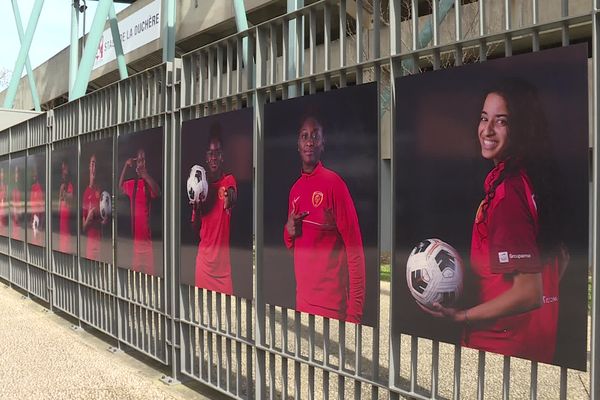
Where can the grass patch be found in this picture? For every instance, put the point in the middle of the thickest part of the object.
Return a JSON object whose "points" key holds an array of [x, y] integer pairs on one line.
{"points": [[385, 272]]}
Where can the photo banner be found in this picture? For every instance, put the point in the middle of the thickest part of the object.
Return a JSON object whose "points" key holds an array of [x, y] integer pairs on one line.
{"points": [[64, 198], [217, 202], [4, 196], [321, 204], [491, 206], [140, 201], [95, 200], [17, 188], [36, 199]]}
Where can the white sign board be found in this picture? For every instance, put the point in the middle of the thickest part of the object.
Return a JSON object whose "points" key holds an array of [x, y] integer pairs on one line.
{"points": [[138, 29]]}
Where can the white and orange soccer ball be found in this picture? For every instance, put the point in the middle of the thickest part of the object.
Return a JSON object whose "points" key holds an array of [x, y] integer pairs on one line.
{"points": [[434, 273]]}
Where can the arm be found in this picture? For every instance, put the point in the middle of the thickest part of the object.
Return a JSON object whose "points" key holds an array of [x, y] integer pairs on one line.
{"points": [[127, 165], [347, 224], [293, 226], [154, 188]]}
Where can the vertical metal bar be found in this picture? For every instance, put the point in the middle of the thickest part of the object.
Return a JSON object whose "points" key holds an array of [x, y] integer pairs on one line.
{"points": [[414, 10], [481, 375], [507, 26], [327, 35], [458, 20], [457, 371], [563, 383], [11, 92], [414, 362], [565, 28], [482, 24], [342, 22], [313, 40], [30, 77], [595, 337], [506, 378], [533, 381], [435, 22], [395, 27], [168, 15], [435, 364], [535, 20]]}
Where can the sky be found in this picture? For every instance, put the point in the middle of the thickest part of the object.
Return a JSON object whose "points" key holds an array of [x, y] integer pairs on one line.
{"points": [[53, 31]]}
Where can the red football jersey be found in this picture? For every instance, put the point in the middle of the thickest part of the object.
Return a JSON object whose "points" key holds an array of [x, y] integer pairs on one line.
{"points": [[329, 260], [91, 199], [503, 244], [213, 263]]}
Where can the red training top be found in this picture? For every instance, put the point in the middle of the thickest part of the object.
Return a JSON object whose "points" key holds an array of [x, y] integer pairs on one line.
{"points": [[503, 244], [3, 210], [64, 227], [17, 206], [91, 199], [36, 204], [329, 261], [143, 254], [213, 263]]}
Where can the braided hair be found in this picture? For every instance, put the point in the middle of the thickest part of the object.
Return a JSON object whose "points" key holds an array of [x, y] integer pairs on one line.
{"points": [[529, 148]]}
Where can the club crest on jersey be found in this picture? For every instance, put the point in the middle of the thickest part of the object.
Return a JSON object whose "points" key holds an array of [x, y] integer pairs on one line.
{"points": [[317, 198], [221, 192]]}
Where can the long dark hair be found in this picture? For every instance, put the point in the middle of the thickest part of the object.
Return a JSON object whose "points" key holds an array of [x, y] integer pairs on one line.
{"points": [[529, 147]]}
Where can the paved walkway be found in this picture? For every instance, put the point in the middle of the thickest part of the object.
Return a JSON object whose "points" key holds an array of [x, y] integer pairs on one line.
{"points": [[41, 357]]}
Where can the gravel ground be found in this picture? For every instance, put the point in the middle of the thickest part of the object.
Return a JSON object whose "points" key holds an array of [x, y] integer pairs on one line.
{"points": [[42, 357]]}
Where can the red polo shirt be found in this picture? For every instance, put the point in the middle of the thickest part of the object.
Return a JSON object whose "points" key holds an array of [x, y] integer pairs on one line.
{"points": [[64, 221], [91, 199], [143, 253], [3, 210], [329, 260], [17, 206], [503, 244], [213, 263]]}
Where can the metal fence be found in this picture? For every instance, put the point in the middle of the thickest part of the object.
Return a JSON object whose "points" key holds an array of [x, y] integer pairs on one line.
{"points": [[246, 348]]}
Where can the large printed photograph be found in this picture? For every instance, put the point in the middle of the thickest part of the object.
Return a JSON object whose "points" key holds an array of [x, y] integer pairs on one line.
{"points": [[140, 201], [491, 206], [95, 200], [17, 188], [63, 173], [4, 196], [321, 204], [36, 199], [216, 203]]}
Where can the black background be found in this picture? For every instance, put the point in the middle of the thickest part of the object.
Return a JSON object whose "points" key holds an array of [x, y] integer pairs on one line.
{"points": [[4, 165], [20, 161], [60, 153], [36, 160], [236, 132], [151, 140], [349, 117], [103, 149], [439, 174]]}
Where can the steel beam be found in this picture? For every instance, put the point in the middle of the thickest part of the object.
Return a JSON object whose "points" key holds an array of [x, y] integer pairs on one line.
{"points": [[23, 52], [241, 22], [114, 28], [74, 48], [168, 16], [30, 77], [89, 52]]}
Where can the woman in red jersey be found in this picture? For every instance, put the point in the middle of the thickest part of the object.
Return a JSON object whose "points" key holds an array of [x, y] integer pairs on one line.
{"points": [[517, 256]]}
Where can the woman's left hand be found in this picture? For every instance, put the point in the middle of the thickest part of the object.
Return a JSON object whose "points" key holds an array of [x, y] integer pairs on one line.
{"points": [[439, 311]]}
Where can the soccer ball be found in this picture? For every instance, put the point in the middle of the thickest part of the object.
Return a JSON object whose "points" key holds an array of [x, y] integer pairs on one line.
{"points": [[105, 206], [35, 224], [434, 273], [197, 185]]}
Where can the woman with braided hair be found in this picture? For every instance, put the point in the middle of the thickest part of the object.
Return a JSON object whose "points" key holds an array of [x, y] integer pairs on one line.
{"points": [[517, 256]]}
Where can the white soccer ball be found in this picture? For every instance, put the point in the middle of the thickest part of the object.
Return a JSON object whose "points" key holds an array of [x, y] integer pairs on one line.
{"points": [[434, 273], [197, 185], [35, 225], [105, 206]]}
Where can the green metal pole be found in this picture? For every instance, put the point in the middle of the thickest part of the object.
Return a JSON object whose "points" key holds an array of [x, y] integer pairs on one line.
{"points": [[74, 48], [89, 52], [23, 52], [114, 28], [168, 29], [241, 22], [30, 77]]}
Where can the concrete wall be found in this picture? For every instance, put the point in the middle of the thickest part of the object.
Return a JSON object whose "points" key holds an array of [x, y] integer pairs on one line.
{"points": [[10, 118]]}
